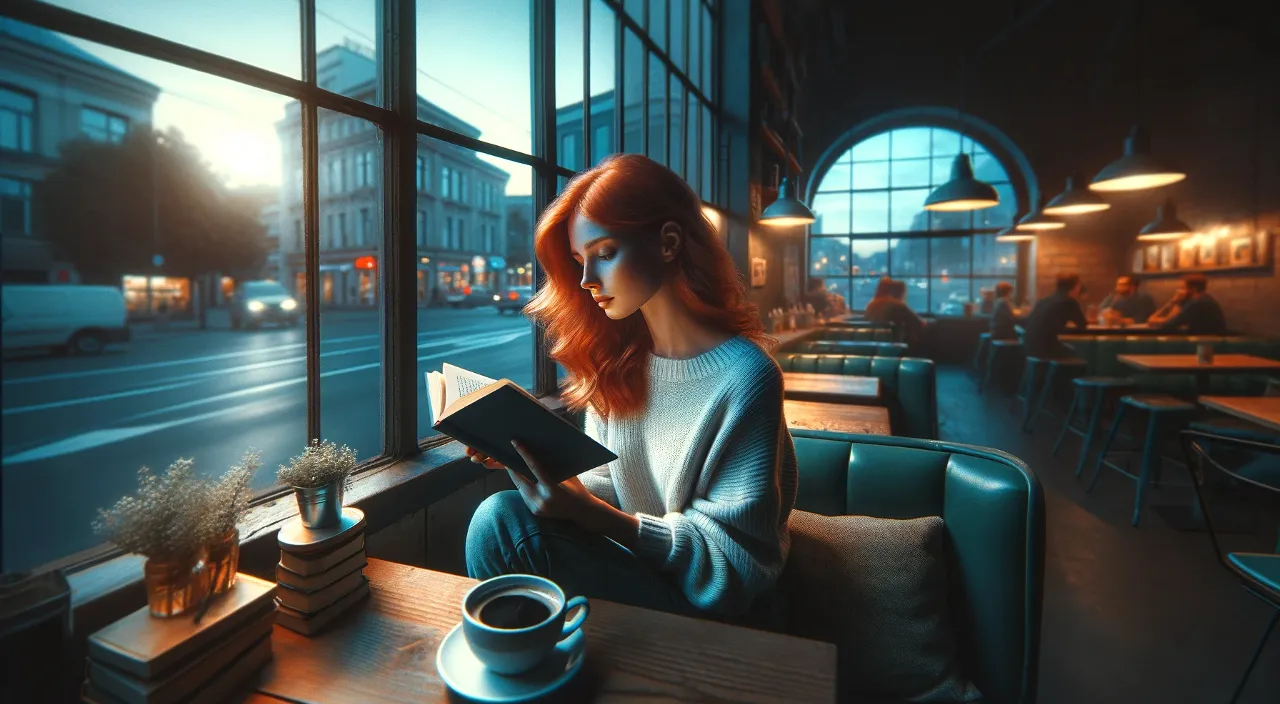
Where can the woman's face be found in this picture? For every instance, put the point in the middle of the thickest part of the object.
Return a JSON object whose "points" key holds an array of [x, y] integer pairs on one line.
{"points": [[621, 271]]}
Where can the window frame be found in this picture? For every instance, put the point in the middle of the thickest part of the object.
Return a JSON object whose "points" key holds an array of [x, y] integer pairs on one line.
{"points": [[109, 119], [25, 121]]}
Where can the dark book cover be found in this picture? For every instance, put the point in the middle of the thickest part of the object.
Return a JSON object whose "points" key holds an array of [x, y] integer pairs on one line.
{"points": [[489, 419]]}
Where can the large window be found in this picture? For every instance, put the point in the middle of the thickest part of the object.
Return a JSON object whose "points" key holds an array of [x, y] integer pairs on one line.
{"points": [[15, 207], [17, 116], [102, 126], [871, 222]]}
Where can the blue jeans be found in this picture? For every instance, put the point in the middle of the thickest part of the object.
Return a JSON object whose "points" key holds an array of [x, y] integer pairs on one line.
{"points": [[505, 538]]}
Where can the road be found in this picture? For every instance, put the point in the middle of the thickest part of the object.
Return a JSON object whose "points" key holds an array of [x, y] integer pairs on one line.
{"points": [[76, 429]]}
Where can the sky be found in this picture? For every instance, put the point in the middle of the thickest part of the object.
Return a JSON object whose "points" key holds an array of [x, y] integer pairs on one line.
{"points": [[473, 61]]}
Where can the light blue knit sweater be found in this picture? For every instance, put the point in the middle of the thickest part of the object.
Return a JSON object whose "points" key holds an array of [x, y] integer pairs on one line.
{"points": [[710, 470]]}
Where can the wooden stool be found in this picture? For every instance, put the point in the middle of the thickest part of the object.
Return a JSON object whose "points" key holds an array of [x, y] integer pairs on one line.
{"points": [[1160, 410]]}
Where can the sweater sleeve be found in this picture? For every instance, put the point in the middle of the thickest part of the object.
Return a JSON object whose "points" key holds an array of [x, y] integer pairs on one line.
{"points": [[598, 481], [730, 545]]}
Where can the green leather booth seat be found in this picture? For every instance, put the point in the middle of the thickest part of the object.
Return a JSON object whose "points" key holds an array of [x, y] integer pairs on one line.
{"points": [[993, 510], [870, 333], [1100, 352], [861, 348], [908, 386]]}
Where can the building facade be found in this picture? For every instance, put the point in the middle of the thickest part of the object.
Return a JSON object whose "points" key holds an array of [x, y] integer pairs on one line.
{"points": [[520, 222], [460, 224], [52, 92]]}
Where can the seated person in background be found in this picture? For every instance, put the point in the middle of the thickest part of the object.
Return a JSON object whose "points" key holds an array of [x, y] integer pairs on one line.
{"points": [[1129, 303], [1051, 316], [1002, 323], [890, 306], [816, 296], [1192, 310]]}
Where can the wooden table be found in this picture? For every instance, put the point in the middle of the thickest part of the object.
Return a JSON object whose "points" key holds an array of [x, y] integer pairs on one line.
{"points": [[837, 417], [385, 651], [1188, 364], [831, 388], [1263, 410]]}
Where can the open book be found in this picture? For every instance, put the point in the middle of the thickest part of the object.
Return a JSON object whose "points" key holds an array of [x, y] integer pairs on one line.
{"points": [[488, 414]]}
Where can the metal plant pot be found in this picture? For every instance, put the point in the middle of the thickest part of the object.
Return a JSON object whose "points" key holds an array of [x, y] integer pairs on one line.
{"points": [[321, 506]]}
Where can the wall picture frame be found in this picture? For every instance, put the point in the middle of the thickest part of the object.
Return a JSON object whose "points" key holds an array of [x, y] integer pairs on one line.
{"points": [[1168, 257], [759, 272], [1240, 251], [1208, 254], [1139, 257], [1187, 252], [1262, 247], [1152, 258]]}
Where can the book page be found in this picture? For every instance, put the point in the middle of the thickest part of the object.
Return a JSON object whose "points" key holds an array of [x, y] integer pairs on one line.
{"points": [[459, 382], [435, 394]]}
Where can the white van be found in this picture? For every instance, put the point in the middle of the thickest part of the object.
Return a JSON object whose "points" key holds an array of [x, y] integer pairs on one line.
{"points": [[75, 319]]}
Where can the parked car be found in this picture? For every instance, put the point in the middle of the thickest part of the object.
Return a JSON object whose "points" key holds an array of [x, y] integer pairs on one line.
{"points": [[76, 319], [469, 297], [513, 299], [256, 302]]}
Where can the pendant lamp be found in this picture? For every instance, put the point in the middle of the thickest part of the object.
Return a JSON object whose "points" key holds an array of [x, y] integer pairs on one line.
{"points": [[1075, 200], [1036, 220], [1166, 226], [1136, 170], [1009, 234], [786, 210], [963, 191]]}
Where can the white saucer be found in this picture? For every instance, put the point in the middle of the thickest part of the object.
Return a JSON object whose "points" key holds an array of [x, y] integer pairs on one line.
{"points": [[463, 672]]}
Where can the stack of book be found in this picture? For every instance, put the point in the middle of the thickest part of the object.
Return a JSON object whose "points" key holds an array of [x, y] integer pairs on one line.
{"points": [[142, 659], [320, 572]]}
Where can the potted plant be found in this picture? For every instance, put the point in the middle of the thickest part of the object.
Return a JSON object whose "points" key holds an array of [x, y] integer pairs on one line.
{"points": [[318, 477], [228, 503], [165, 522]]}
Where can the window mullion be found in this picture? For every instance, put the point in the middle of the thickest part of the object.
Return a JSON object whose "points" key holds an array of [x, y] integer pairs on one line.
{"points": [[311, 217], [544, 145]]}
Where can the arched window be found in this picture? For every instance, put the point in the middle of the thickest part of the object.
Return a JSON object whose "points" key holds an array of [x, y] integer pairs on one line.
{"points": [[871, 222]]}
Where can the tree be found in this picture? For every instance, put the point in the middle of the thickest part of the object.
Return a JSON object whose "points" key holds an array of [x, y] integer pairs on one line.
{"points": [[97, 208]]}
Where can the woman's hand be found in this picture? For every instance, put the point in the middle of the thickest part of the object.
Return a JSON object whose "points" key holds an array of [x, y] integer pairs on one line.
{"points": [[568, 500], [480, 458]]}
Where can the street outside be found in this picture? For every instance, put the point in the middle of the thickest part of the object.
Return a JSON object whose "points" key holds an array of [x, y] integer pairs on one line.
{"points": [[76, 429]]}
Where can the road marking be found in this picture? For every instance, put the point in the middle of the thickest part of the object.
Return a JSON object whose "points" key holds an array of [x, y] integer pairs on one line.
{"points": [[216, 357], [98, 438]]}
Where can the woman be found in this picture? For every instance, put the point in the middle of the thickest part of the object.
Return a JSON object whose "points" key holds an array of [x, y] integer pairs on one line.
{"points": [[1003, 323], [890, 306], [646, 313]]}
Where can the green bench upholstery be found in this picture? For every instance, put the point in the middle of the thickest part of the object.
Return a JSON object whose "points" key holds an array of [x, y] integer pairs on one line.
{"points": [[873, 333], [907, 385], [861, 348], [1100, 351], [992, 508]]}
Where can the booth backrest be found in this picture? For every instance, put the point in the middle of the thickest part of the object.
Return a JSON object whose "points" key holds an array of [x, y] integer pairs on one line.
{"points": [[908, 386], [861, 348], [1100, 352], [871, 333], [993, 509]]}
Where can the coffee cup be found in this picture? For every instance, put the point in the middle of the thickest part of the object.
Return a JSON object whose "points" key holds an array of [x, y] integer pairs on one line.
{"points": [[512, 622]]}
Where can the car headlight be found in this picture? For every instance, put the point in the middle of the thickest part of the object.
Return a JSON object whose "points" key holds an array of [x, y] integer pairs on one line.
{"points": [[255, 306], [496, 298], [288, 304]]}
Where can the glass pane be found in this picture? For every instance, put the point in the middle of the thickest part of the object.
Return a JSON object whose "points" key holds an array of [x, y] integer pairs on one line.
{"points": [[870, 212], [910, 142], [480, 260], [351, 285], [675, 115], [986, 168], [984, 291], [635, 8], [908, 213], [482, 90], [569, 31], [603, 63], [946, 144], [633, 68], [658, 22], [831, 214], [951, 219], [940, 170], [872, 149], [708, 44], [994, 258], [949, 294], [346, 47], [272, 41], [838, 286], [678, 19], [1001, 215], [949, 256], [692, 134], [828, 256], [864, 289], [908, 173], [917, 294], [870, 258], [695, 41], [837, 177], [708, 149], [657, 109], [870, 175], [908, 256], [77, 427]]}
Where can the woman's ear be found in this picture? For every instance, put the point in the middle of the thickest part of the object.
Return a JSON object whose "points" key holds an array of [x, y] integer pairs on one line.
{"points": [[670, 239]]}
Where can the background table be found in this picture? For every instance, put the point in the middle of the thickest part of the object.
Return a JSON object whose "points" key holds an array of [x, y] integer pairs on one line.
{"points": [[831, 388], [1188, 364], [1263, 410], [385, 651], [837, 417]]}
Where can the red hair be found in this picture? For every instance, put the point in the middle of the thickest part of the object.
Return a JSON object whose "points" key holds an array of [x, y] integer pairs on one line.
{"points": [[607, 360]]}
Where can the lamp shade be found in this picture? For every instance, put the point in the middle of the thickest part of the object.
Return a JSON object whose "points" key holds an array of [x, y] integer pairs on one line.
{"points": [[1136, 169], [1036, 220], [1009, 234], [1075, 200], [786, 211], [963, 191], [1166, 226]]}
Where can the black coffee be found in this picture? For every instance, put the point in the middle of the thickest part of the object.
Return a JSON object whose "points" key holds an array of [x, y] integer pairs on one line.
{"points": [[515, 609]]}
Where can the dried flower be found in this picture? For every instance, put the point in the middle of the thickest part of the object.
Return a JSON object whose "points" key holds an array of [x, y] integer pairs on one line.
{"points": [[320, 464], [229, 497], [164, 520]]}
